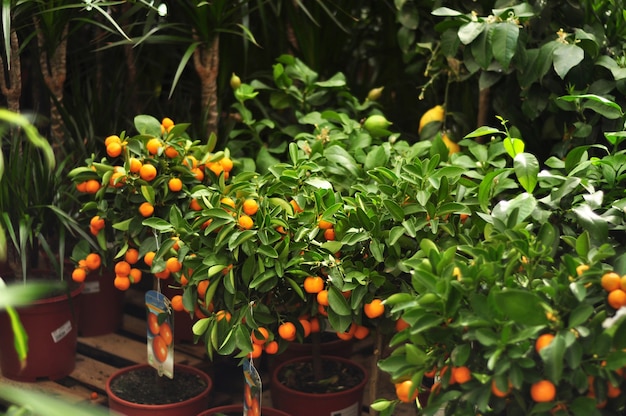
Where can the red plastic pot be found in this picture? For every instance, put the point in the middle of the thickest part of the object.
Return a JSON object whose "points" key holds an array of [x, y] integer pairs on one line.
{"points": [[191, 406], [237, 409], [302, 403], [334, 347], [52, 328], [101, 305]]}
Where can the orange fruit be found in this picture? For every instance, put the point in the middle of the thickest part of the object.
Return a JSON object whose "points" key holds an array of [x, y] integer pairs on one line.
{"points": [[165, 331], [361, 332], [617, 298], [611, 281], [497, 392], [171, 152], [121, 282], [349, 334], [324, 225], [401, 325], [146, 209], [214, 167], [190, 161], [612, 391], [112, 139], [153, 323], [322, 297], [167, 123], [315, 325], [223, 315], [461, 374], [228, 201], [135, 275], [306, 327], [117, 180], [623, 283], [271, 347], [263, 336], [287, 331], [97, 222], [79, 275], [195, 205], [175, 184], [313, 284], [131, 256], [122, 268], [93, 261], [198, 173], [257, 350], [329, 234], [147, 172], [295, 206], [148, 258], [250, 206], [374, 309], [163, 274], [226, 163], [114, 149], [581, 268], [173, 265], [543, 391], [245, 222], [203, 286], [81, 187], [134, 165], [92, 186], [403, 391], [154, 145], [159, 348], [543, 341], [177, 303]]}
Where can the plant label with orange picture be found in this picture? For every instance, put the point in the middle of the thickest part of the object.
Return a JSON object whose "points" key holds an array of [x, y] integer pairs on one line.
{"points": [[252, 389], [160, 333]]}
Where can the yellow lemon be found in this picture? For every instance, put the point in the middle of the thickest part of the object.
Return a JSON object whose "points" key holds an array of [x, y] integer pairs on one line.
{"points": [[437, 113]]}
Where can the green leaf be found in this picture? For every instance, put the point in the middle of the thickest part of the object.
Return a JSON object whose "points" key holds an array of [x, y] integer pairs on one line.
{"points": [[552, 356], [338, 303], [526, 168], [470, 31], [521, 306], [513, 146], [505, 42], [566, 57], [394, 209], [147, 125], [158, 224]]}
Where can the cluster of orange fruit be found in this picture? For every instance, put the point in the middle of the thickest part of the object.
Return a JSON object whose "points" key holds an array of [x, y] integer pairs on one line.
{"points": [[615, 285]]}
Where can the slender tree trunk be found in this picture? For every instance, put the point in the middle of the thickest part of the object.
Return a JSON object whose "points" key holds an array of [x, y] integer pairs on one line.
{"points": [[376, 357], [206, 61], [11, 86], [54, 69], [484, 98]]}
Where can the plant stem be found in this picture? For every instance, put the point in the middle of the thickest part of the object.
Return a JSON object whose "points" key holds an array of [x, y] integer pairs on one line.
{"points": [[206, 61], [13, 88], [377, 355]]}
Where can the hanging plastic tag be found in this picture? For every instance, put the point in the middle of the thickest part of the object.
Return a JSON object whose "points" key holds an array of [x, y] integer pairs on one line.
{"points": [[252, 389], [160, 333]]}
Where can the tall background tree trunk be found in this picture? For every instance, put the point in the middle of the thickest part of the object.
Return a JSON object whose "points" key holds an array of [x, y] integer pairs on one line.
{"points": [[54, 69], [11, 85], [206, 61]]}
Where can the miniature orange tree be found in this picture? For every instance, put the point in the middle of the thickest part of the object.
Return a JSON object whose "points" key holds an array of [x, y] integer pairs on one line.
{"points": [[523, 313], [133, 189]]}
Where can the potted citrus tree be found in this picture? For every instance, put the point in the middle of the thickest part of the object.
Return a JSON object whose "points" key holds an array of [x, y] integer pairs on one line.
{"points": [[131, 195], [34, 230], [523, 314]]}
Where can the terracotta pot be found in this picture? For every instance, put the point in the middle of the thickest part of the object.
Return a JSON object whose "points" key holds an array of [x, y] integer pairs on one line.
{"points": [[237, 409], [301, 403], [191, 406], [101, 305], [52, 328]]}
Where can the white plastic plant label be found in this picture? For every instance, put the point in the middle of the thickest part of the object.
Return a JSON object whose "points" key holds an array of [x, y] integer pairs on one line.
{"points": [[160, 333], [61, 332], [91, 287]]}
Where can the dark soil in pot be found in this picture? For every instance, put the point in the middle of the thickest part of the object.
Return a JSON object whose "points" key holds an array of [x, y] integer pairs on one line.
{"points": [[144, 386], [336, 376]]}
